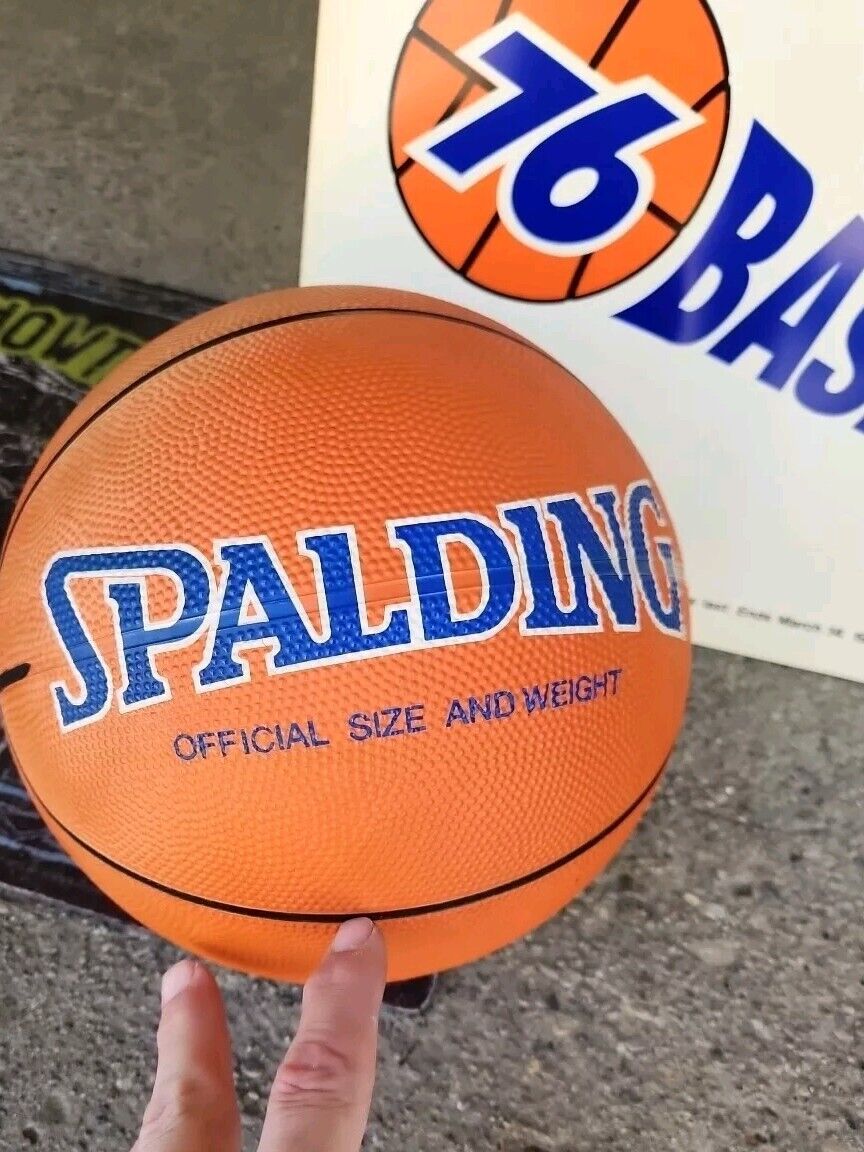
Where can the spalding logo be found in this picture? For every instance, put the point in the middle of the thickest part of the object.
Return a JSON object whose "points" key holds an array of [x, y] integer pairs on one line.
{"points": [[253, 604]]}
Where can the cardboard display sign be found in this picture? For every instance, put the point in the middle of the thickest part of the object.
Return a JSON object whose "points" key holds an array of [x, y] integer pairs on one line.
{"points": [[666, 195]]}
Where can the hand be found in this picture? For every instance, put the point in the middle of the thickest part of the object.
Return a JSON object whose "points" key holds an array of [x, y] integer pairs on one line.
{"points": [[322, 1091]]}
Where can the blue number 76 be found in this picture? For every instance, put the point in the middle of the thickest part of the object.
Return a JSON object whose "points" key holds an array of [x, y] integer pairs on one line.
{"points": [[570, 143]]}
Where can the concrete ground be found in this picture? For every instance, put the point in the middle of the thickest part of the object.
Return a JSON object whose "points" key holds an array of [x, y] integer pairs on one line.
{"points": [[705, 996]]}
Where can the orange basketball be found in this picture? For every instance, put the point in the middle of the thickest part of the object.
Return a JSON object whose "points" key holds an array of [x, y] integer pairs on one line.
{"points": [[674, 42], [338, 601]]}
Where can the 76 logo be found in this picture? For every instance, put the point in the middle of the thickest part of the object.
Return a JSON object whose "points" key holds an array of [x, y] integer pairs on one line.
{"points": [[569, 143]]}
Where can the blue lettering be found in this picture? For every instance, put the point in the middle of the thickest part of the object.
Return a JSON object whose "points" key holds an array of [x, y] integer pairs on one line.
{"points": [[386, 723], [226, 740], [563, 118], [504, 704], [477, 708], [841, 261], [456, 714], [812, 388], [390, 728], [315, 740], [424, 545], [561, 693], [546, 89], [296, 735], [584, 689], [669, 618], [581, 538], [191, 749], [343, 594], [583, 545], [414, 718], [535, 698], [593, 142], [767, 170], [253, 567], [493, 706], [206, 742], [140, 640], [254, 740], [360, 726]]}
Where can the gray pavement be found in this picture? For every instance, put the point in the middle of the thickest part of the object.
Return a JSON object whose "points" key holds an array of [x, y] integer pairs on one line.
{"points": [[705, 995]]}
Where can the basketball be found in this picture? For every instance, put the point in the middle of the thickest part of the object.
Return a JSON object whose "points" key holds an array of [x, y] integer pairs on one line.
{"points": [[341, 601], [676, 42]]}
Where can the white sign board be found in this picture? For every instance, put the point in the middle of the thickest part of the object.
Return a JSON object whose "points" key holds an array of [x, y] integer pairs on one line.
{"points": [[667, 197]]}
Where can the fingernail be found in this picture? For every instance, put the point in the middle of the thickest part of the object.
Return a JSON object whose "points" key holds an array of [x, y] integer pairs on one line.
{"points": [[353, 934], [177, 978]]}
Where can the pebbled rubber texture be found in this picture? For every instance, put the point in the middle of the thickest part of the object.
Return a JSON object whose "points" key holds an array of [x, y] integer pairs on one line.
{"points": [[312, 409]]}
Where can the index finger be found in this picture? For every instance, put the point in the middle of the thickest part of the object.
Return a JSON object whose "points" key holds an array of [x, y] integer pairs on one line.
{"points": [[193, 1107], [323, 1088]]}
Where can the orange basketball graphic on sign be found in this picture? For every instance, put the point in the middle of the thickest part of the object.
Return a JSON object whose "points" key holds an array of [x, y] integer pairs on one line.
{"points": [[549, 151]]}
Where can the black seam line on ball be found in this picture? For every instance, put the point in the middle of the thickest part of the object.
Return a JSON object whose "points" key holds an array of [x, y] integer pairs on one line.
{"points": [[226, 337], [13, 675], [338, 917]]}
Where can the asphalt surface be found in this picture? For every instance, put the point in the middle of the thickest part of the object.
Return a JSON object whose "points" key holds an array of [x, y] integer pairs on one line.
{"points": [[704, 996]]}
